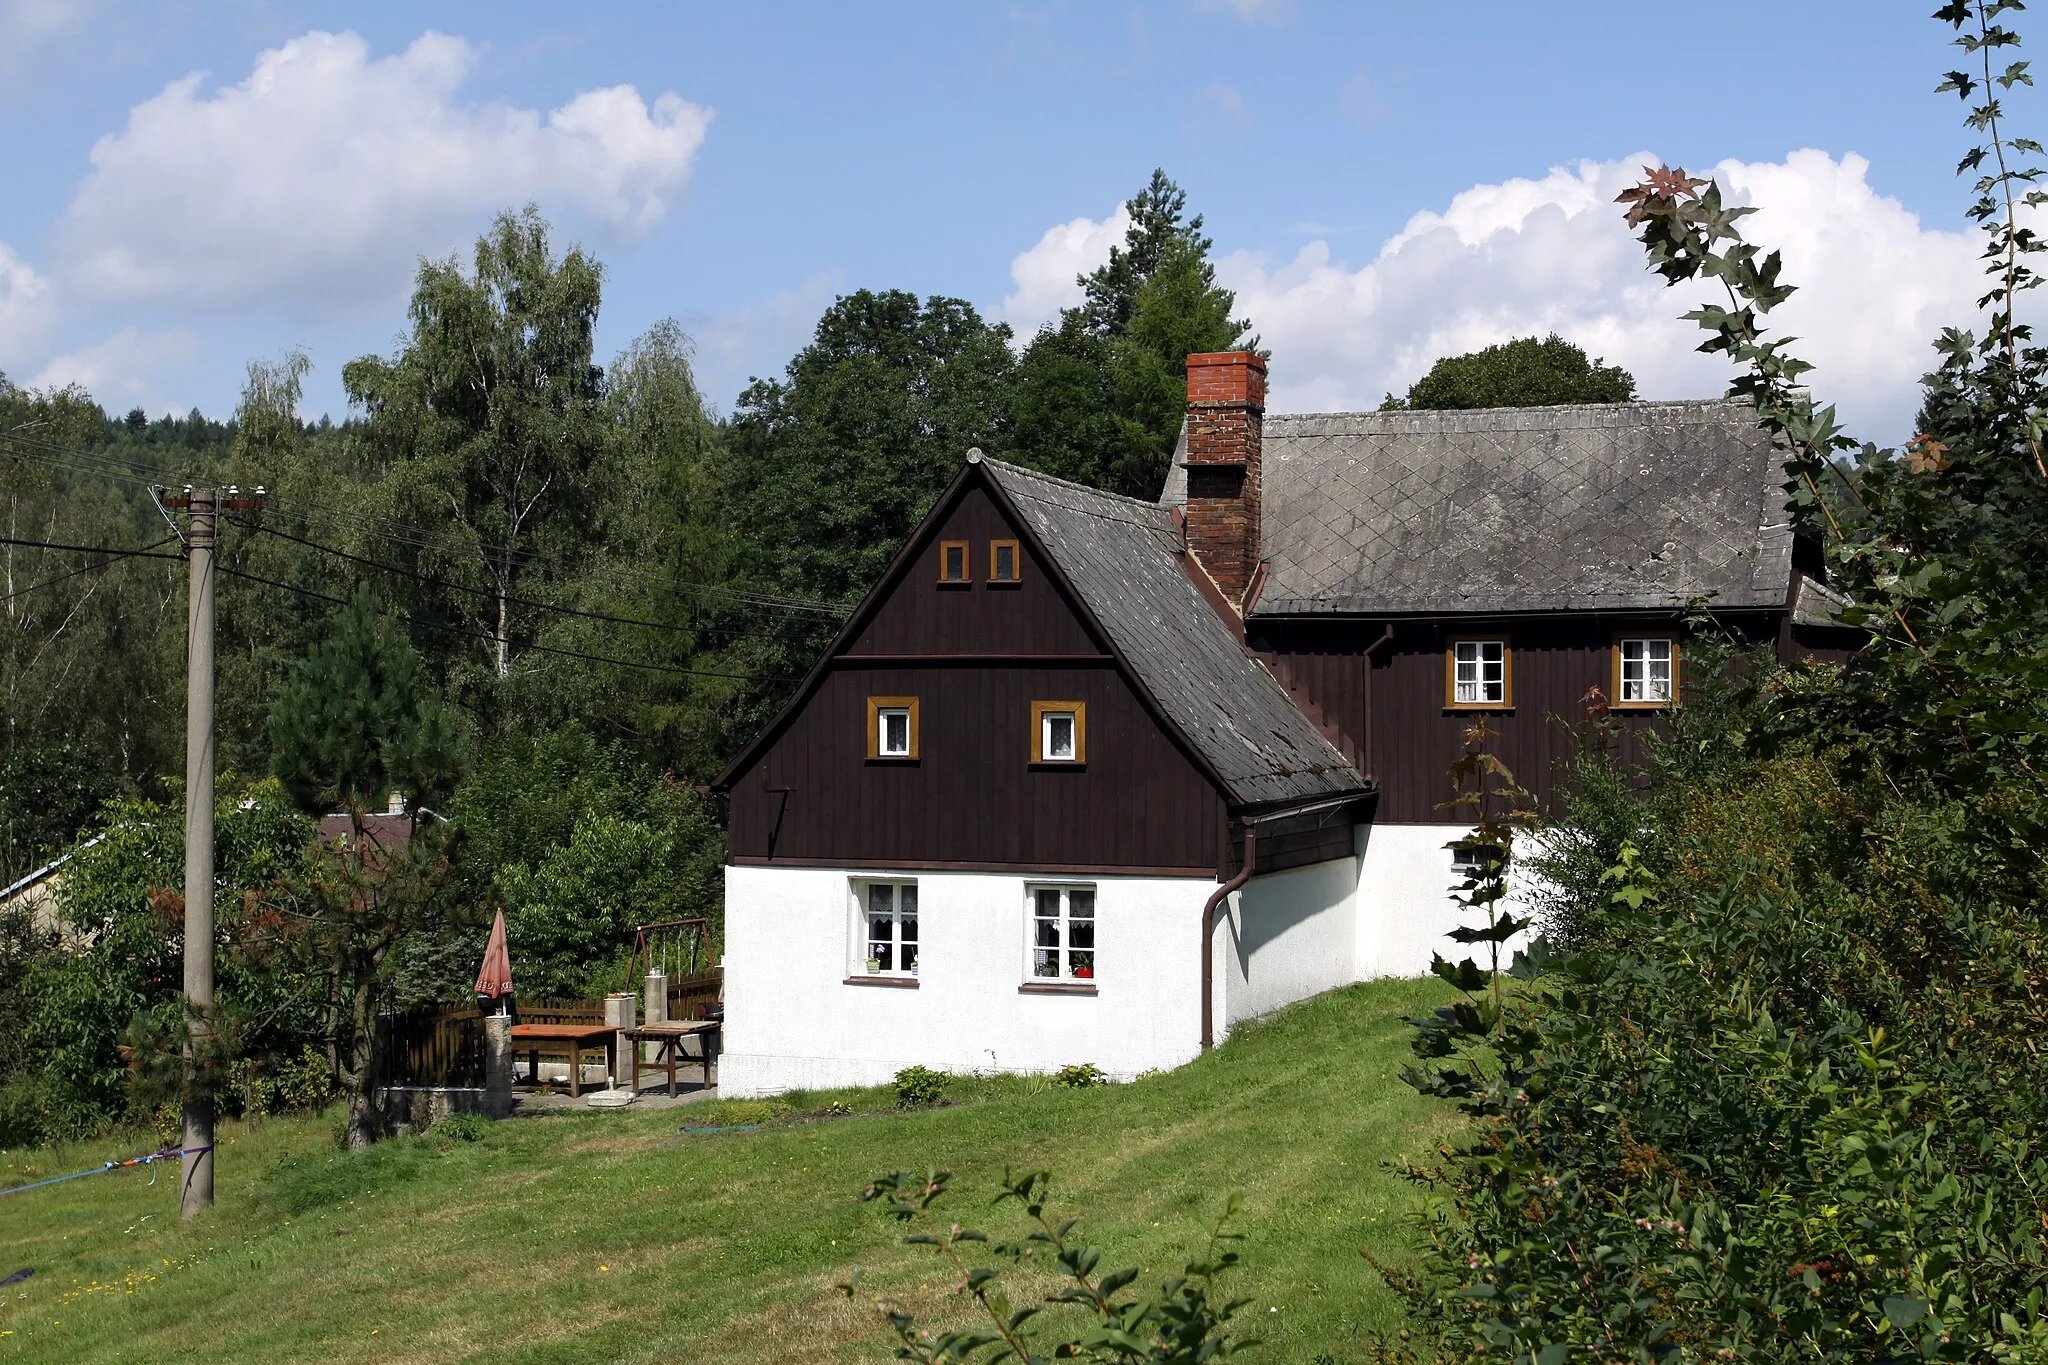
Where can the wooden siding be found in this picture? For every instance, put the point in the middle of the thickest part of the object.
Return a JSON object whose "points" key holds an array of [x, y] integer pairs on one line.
{"points": [[975, 657], [1415, 737], [974, 797], [922, 618], [1300, 840]]}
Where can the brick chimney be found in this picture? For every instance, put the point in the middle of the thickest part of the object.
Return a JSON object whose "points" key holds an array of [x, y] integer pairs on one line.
{"points": [[1226, 422]]}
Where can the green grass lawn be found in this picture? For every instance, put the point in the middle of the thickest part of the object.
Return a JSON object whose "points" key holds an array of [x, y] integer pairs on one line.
{"points": [[615, 1236]]}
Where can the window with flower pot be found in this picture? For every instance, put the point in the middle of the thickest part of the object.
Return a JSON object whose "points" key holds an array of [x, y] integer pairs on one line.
{"points": [[885, 933], [1062, 934]]}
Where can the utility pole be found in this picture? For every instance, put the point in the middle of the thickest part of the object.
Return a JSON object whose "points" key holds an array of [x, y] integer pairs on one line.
{"points": [[203, 507]]}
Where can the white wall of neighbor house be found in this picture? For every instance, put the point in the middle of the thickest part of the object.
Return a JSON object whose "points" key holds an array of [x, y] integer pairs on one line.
{"points": [[793, 1021], [1405, 910], [1284, 937]]}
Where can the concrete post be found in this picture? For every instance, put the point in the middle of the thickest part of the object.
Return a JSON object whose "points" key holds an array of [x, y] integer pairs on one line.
{"points": [[655, 1006], [619, 1011], [498, 1066]]}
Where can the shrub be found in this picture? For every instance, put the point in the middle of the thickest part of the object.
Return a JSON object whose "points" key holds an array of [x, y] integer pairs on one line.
{"points": [[463, 1128], [919, 1086], [1080, 1075], [1182, 1323]]}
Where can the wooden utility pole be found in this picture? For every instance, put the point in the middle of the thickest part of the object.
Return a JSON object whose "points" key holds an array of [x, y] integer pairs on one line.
{"points": [[203, 507]]}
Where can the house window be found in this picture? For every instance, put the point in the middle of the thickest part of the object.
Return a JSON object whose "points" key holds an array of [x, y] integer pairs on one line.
{"points": [[892, 727], [953, 561], [887, 937], [1059, 732], [1645, 671], [1471, 858], [1476, 674], [1062, 933], [1003, 561]]}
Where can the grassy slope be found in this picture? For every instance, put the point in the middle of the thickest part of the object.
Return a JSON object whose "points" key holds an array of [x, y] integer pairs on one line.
{"points": [[615, 1237]]}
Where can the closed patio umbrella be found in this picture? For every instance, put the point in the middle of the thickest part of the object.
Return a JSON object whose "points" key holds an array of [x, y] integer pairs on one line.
{"points": [[495, 979]]}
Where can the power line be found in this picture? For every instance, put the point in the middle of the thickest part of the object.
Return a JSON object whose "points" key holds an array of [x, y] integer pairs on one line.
{"points": [[114, 558], [146, 551], [450, 629], [404, 533], [489, 595]]}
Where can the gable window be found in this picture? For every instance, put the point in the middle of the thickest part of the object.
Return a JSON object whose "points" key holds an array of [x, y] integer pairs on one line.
{"points": [[953, 561], [1059, 732], [1645, 670], [887, 934], [892, 727], [1004, 562], [1062, 933], [1476, 674]]}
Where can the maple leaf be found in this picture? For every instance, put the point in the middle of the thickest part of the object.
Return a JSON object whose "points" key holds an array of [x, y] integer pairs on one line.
{"points": [[1925, 455]]}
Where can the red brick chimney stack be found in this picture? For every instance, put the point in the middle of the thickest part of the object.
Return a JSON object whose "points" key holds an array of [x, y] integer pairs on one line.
{"points": [[1226, 424]]}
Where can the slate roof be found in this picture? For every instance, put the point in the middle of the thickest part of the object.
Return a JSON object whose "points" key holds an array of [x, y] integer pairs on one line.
{"points": [[1595, 507], [1123, 558]]}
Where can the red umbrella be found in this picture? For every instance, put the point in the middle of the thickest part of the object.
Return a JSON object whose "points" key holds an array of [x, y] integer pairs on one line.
{"points": [[495, 979]]}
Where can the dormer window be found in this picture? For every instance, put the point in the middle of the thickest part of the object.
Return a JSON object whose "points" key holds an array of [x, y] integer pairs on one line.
{"points": [[892, 727], [953, 561], [1476, 675], [1003, 562], [1059, 732], [1645, 670]]}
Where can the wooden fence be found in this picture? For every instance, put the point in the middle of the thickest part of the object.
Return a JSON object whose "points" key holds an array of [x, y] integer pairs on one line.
{"points": [[438, 1046], [443, 1046]]}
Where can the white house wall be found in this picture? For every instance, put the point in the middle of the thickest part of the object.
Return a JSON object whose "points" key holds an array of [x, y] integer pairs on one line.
{"points": [[792, 1020], [1286, 936], [1405, 910]]}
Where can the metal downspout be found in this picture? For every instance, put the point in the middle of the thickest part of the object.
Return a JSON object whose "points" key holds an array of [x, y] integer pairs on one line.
{"points": [[1216, 898]]}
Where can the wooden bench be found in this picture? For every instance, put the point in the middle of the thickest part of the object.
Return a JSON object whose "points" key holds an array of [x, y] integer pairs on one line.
{"points": [[566, 1040], [668, 1041]]}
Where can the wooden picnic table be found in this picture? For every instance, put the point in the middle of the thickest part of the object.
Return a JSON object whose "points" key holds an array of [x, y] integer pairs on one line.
{"points": [[668, 1040], [570, 1039]]}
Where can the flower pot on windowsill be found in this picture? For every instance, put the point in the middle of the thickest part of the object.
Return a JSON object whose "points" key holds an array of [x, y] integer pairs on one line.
{"points": [[874, 965]]}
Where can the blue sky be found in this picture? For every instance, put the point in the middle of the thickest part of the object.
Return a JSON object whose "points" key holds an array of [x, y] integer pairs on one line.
{"points": [[156, 236]]}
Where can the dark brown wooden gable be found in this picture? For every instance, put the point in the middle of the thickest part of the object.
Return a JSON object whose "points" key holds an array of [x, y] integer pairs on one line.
{"points": [[922, 616], [975, 658], [973, 799]]}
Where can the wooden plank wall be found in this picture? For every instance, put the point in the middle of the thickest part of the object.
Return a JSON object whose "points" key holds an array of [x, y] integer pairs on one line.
{"points": [[971, 656], [1556, 661]]}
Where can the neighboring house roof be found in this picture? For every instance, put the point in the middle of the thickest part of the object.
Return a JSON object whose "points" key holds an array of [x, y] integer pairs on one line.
{"points": [[1818, 605], [1596, 507], [47, 870], [385, 829], [1123, 558]]}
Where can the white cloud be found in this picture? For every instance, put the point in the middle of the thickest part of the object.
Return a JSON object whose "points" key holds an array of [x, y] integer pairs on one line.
{"points": [[117, 371], [1528, 257], [27, 24], [1251, 11], [27, 310], [325, 173], [1220, 105], [1046, 276], [756, 342]]}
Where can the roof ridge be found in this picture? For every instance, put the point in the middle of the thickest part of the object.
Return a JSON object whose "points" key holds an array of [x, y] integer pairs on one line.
{"points": [[1631, 405], [1039, 474]]}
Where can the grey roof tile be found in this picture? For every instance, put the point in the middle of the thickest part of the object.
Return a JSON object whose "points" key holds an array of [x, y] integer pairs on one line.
{"points": [[1123, 557], [1598, 507]]}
